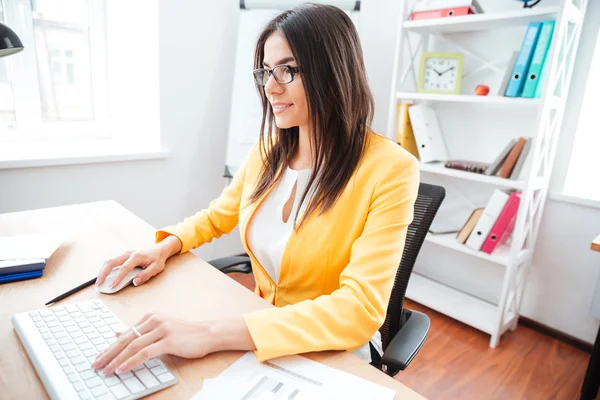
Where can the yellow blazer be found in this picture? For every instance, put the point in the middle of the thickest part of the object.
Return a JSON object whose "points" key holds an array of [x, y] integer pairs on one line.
{"points": [[338, 270]]}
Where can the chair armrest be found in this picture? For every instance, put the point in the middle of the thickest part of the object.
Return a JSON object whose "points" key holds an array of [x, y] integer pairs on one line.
{"points": [[407, 342], [232, 264]]}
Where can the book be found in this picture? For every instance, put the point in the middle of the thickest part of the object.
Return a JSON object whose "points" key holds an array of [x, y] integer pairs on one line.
{"points": [[508, 73], [405, 136], [511, 158], [468, 166], [516, 172], [428, 133], [9, 267], [465, 231], [515, 85], [429, 5], [497, 163]]}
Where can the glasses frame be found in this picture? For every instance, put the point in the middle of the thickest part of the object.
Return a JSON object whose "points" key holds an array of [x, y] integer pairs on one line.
{"points": [[293, 71]]}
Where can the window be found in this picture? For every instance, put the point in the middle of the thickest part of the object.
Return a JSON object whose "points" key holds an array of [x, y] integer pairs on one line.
{"points": [[584, 163], [50, 85], [86, 86]]}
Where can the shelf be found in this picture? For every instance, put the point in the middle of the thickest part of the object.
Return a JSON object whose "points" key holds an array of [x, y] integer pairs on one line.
{"points": [[458, 305], [448, 240], [468, 98], [438, 168], [481, 22]]}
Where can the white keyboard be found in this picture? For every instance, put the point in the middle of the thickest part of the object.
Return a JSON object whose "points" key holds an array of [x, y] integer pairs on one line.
{"points": [[63, 342]]}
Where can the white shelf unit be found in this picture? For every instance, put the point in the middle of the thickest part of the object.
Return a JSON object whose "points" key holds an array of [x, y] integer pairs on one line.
{"points": [[414, 37]]}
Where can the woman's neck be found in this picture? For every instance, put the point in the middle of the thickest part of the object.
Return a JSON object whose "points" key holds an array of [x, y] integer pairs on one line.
{"points": [[303, 157]]}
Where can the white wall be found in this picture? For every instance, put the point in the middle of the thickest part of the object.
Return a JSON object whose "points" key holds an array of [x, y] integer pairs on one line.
{"points": [[197, 50]]}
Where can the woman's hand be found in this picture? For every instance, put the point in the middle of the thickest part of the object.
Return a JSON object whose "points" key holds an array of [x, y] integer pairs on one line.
{"points": [[152, 260], [163, 334]]}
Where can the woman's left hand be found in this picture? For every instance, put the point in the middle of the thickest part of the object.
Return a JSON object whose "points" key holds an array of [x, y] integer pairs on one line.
{"points": [[159, 334], [163, 334]]}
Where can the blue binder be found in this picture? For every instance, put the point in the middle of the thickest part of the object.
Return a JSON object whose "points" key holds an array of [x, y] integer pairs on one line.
{"points": [[20, 276], [517, 80], [9, 267]]}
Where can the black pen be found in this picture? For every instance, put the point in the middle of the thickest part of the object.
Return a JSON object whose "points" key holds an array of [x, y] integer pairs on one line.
{"points": [[74, 290]]}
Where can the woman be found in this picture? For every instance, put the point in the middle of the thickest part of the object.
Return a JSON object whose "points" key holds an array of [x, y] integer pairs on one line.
{"points": [[323, 204]]}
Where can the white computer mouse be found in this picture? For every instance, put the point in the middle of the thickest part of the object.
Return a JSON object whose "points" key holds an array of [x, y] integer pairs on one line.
{"points": [[105, 287]]}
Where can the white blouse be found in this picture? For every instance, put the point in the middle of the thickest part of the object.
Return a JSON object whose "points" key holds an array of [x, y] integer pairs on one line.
{"points": [[268, 234]]}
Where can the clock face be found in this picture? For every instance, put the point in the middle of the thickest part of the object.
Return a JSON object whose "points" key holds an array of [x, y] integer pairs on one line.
{"points": [[440, 74]]}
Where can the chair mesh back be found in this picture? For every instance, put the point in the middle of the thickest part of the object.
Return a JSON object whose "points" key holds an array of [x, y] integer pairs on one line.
{"points": [[428, 202]]}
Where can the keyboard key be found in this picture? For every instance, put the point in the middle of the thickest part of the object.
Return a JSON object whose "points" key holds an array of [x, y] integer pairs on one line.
{"points": [[73, 377], [152, 363], [64, 362], [61, 313], [58, 309], [166, 377], [133, 385], [43, 329], [52, 324], [138, 368], [40, 324], [88, 329], [77, 314], [36, 318], [158, 370], [111, 320], [84, 324], [108, 335], [77, 360], [111, 381], [105, 396], [33, 313], [104, 329], [54, 348], [60, 334], [50, 318], [147, 378], [64, 340], [80, 340], [102, 347], [94, 318], [85, 396], [72, 328], [97, 341], [72, 353], [68, 346], [89, 314], [50, 341], [98, 324], [93, 382], [97, 391], [59, 355], [87, 374], [93, 335], [85, 346], [68, 323], [105, 315], [71, 308], [79, 386], [125, 375], [68, 369], [56, 329], [119, 391], [46, 313], [47, 336], [82, 367], [75, 334], [83, 307], [90, 352]]}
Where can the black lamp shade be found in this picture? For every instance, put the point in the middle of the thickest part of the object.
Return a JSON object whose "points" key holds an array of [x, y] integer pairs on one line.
{"points": [[9, 41]]}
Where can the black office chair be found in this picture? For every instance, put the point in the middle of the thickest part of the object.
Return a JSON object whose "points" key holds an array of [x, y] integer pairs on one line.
{"points": [[404, 331]]}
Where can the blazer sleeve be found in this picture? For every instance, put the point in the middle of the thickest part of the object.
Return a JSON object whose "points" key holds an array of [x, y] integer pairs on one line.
{"points": [[220, 217], [348, 318]]}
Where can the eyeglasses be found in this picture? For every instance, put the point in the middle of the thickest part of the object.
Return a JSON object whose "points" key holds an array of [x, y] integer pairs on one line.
{"points": [[283, 74]]}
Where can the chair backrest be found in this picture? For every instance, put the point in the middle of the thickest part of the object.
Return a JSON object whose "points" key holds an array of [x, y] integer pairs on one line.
{"points": [[428, 202]]}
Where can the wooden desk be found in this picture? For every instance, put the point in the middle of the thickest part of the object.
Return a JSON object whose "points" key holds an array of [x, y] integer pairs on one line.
{"points": [[591, 382], [189, 288]]}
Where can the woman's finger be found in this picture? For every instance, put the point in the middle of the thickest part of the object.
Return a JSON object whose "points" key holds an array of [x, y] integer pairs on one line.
{"points": [[132, 262], [109, 265], [133, 348], [154, 350], [123, 339], [149, 272]]}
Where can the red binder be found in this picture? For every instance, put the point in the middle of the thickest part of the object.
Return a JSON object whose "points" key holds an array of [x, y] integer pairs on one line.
{"points": [[447, 12], [504, 224]]}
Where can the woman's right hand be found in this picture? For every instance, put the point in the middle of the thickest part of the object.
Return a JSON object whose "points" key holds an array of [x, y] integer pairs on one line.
{"points": [[152, 260]]}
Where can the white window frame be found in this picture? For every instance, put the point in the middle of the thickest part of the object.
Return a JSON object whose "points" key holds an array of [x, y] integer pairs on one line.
{"points": [[23, 72]]}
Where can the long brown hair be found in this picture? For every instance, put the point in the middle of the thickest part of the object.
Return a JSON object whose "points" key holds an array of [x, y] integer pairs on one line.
{"points": [[325, 43]]}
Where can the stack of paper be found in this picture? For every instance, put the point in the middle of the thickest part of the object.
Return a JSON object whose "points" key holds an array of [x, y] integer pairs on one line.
{"points": [[290, 378], [24, 257]]}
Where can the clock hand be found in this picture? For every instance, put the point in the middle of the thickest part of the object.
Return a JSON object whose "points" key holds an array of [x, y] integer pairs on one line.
{"points": [[437, 72], [449, 69]]}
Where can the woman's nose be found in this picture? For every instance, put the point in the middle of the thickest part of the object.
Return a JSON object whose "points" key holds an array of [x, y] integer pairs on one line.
{"points": [[273, 86]]}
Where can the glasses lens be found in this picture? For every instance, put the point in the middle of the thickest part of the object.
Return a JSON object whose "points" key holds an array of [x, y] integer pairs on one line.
{"points": [[282, 74], [261, 76]]}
